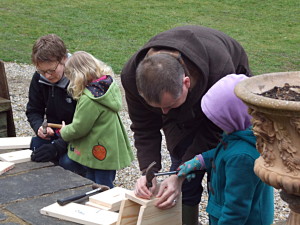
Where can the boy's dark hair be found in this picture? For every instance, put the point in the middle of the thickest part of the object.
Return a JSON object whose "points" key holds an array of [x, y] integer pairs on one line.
{"points": [[48, 48]]}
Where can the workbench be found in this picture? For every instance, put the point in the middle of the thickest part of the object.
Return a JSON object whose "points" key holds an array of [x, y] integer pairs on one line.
{"points": [[30, 186]]}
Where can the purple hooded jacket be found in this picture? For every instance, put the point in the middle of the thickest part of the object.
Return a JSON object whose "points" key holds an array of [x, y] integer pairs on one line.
{"points": [[223, 107]]}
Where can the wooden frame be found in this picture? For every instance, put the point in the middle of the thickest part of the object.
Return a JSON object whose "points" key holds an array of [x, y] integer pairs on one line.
{"points": [[138, 211], [133, 210]]}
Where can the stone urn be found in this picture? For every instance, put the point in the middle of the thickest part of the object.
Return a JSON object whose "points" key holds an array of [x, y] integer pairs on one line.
{"points": [[276, 124]]}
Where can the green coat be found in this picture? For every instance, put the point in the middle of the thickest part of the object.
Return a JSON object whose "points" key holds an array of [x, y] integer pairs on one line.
{"points": [[97, 138]]}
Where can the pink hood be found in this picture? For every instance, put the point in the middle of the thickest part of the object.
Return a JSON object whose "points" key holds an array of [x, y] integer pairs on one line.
{"points": [[223, 107]]}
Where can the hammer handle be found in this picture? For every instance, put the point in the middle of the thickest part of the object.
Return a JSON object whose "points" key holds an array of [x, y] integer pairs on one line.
{"points": [[67, 200], [54, 125]]}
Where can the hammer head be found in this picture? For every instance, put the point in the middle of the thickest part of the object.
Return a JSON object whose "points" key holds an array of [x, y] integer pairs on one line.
{"points": [[150, 174], [45, 125]]}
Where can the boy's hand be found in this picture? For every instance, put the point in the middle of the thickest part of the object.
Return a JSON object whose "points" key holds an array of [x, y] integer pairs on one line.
{"points": [[46, 136]]}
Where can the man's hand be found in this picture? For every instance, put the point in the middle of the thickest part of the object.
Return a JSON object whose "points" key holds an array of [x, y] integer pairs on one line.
{"points": [[45, 153], [50, 132], [169, 191], [141, 189]]}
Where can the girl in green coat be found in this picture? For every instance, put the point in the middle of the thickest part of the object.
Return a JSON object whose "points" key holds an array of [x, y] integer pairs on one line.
{"points": [[97, 138]]}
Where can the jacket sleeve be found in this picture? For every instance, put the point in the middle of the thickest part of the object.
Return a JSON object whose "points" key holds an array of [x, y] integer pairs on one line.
{"points": [[208, 157], [146, 126], [238, 193], [87, 112], [207, 137], [35, 109]]}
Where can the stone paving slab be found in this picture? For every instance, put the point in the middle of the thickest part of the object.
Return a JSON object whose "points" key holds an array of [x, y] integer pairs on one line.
{"points": [[10, 223], [29, 210], [26, 166], [38, 182], [2, 216]]}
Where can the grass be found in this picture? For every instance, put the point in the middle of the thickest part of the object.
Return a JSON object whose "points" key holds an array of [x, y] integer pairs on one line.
{"points": [[113, 30]]}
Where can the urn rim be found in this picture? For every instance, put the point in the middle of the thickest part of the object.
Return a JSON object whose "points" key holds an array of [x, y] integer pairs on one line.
{"points": [[248, 90]]}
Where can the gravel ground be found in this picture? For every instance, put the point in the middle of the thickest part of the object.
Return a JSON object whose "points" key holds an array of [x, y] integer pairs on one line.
{"points": [[19, 76]]}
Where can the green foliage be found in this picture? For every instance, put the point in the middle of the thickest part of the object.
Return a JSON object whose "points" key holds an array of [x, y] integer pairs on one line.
{"points": [[113, 30]]}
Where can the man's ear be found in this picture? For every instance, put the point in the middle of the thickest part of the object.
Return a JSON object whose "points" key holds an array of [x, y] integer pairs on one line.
{"points": [[186, 82]]}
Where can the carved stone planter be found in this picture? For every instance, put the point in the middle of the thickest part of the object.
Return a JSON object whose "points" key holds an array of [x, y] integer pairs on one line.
{"points": [[276, 124]]}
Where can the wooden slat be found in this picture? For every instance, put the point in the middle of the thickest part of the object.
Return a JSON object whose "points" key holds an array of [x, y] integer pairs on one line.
{"points": [[111, 198], [17, 156], [3, 124], [6, 166], [81, 214], [15, 142], [129, 213], [4, 104], [92, 204], [150, 214], [4, 93]]}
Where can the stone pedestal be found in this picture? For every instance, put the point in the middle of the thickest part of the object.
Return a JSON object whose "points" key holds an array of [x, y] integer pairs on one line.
{"points": [[294, 205]]}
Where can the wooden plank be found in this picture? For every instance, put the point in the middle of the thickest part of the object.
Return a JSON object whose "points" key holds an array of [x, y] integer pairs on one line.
{"points": [[81, 214], [17, 156], [148, 213], [129, 213], [130, 195], [15, 142], [6, 166], [4, 104], [111, 198], [92, 204], [4, 93], [3, 124]]}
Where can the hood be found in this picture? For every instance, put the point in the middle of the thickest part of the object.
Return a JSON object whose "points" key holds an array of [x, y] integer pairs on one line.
{"points": [[190, 41], [110, 96], [223, 107], [245, 135]]}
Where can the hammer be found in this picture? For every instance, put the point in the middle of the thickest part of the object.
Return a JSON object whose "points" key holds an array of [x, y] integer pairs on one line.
{"points": [[150, 174], [45, 124], [77, 198]]}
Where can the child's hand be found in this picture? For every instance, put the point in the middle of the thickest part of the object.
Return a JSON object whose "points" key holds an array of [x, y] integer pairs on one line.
{"points": [[188, 167], [63, 124]]}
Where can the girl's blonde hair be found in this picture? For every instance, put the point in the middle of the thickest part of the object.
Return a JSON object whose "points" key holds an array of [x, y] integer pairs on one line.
{"points": [[81, 69]]}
